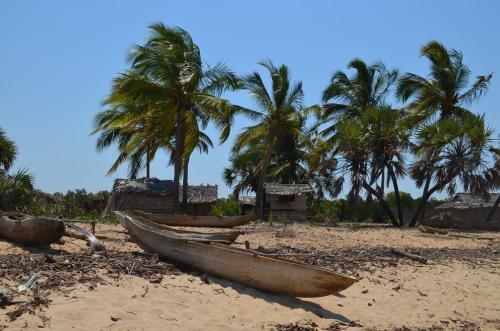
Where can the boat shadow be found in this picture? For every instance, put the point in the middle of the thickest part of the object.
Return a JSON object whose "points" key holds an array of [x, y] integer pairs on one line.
{"points": [[283, 300], [36, 249]]}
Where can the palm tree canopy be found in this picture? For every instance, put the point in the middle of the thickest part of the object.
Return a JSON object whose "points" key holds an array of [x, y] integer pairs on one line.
{"points": [[277, 112], [166, 80], [8, 152], [446, 90], [456, 150], [349, 97]]}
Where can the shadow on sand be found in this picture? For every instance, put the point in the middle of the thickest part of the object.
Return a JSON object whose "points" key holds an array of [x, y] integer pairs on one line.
{"points": [[287, 301]]}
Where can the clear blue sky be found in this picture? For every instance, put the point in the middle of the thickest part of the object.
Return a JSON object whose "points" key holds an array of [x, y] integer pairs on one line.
{"points": [[57, 60]]}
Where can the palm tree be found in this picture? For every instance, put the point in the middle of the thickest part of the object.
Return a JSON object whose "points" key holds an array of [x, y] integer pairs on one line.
{"points": [[168, 74], [8, 152], [348, 98], [387, 137], [321, 164], [279, 113], [242, 174], [135, 131], [442, 96], [446, 91], [454, 150]]}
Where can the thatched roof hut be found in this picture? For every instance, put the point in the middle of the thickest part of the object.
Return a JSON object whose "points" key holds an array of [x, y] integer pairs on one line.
{"points": [[157, 196], [466, 211], [247, 205], [287, 201]]}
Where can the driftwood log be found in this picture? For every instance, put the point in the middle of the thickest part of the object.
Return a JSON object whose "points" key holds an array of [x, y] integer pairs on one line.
{"points": [[428, 229], [94, 243], [411, 256]]}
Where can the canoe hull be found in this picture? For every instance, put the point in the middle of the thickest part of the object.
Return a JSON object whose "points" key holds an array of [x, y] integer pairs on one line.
{"points": [[197, 221], [243, 266], [31, 230], [229, 237]]}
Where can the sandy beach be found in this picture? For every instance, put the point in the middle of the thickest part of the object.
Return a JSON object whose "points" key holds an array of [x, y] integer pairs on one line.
{"points": [[457, 290]]}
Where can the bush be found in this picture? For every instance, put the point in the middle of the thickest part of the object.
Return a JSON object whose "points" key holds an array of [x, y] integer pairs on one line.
{"points": [[226, 207]]}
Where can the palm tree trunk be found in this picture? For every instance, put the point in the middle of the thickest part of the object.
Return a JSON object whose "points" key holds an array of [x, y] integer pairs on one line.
{"points": [[493, 209], [421, 205], [259, 198], [185, 184], [398, 196], [177, 159], [382, 202], [148, 161]]}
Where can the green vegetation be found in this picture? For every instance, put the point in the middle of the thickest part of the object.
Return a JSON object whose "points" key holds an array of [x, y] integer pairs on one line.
{"points": [[164, 101], [355, 140], [226, 207]]}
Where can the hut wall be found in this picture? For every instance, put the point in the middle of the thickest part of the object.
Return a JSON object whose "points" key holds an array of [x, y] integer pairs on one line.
{"points": [[140, 201], [466, 219], [247, 209], [200, 209], [295, 210]]}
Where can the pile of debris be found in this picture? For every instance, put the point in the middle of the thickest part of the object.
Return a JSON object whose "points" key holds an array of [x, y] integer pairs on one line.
{"points": [[63, 272]]}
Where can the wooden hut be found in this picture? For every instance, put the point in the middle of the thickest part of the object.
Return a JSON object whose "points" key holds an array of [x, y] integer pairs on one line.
{"points": [[247, 205], [157, 196], [466, 211], [286, 201]]}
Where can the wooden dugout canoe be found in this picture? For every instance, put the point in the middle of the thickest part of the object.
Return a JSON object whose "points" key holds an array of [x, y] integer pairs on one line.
{"points": [[227, 237], [30, 230], [261, 271], [199, 221]]}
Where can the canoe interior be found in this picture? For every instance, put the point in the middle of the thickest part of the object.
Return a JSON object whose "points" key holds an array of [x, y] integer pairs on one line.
{"points": [[197, 221], [31, 230], [229, 236], [248, 267]]}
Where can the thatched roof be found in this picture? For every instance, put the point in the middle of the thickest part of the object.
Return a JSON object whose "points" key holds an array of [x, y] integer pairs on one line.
{"points": [[157, 187], [287, 189], [249, 201], [469, 200], [201, 193]]}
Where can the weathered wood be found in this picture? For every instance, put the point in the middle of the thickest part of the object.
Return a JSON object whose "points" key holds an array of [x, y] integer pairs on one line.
{"points": [[248, 267], [431, 230], [30, 230], [94, 243], [197, 221], [411, 256], [92, 223], [228, 237]]}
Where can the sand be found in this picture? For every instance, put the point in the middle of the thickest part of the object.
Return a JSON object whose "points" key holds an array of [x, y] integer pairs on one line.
{"points": [[453, 293]]}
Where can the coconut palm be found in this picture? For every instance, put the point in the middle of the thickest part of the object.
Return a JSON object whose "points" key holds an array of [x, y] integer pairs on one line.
{"points": [[446, 90], [348, 98], [8, 152], [242, 174], [134, 130], [278, 114], [168, 74]]}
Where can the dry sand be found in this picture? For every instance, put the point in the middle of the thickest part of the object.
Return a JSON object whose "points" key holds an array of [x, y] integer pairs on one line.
{"points": [[460, 291]]}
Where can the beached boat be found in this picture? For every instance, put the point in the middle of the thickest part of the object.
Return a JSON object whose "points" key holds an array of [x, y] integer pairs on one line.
{"points": [[30, 230], [262, 271], [199, 221], [223, 237]]}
